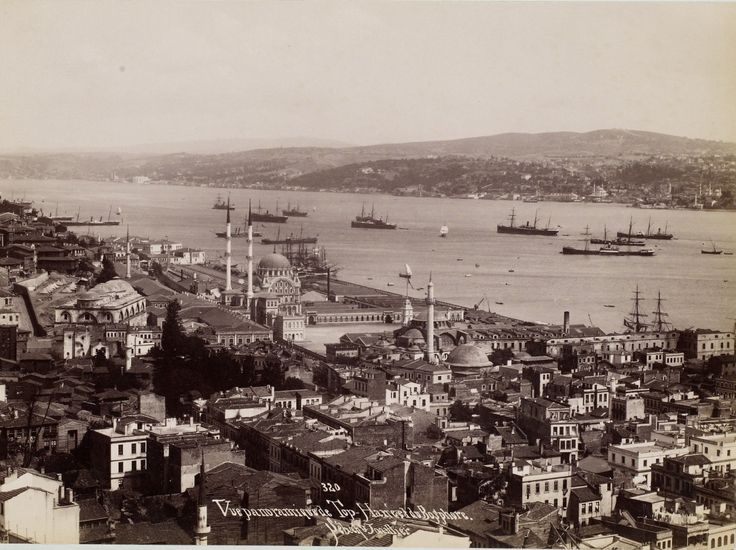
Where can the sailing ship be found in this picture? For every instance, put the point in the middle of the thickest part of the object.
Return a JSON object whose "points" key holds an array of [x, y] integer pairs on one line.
{"points": [[268, 217], [713, 251], [295, 212], [222, 205], [93, 221], [371, 222], [635, 320], [444, 230], [527, 228]]}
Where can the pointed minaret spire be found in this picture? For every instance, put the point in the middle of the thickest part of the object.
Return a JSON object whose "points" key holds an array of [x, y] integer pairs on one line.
{"points": [[202, 529], [228, 251], [249, 259], [127, 253], [430, 354]]}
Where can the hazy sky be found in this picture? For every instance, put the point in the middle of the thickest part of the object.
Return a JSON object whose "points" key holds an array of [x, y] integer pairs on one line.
{"points": [[99, 74]]}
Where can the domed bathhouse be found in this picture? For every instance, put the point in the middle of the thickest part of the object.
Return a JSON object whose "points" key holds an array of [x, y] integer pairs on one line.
{"points": [[467, 360], [115, 301]]}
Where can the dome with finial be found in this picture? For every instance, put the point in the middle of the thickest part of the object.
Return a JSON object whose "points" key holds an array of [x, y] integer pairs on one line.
{"points": [[274, 261]]}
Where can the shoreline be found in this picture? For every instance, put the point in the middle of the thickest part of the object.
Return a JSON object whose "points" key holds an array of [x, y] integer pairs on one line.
{"points": [[627, 204]]}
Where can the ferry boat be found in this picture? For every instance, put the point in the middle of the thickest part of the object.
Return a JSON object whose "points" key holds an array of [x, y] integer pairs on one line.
{"points": [[222, 205], [527, 228], [295, 212], [606, 250], [371, 222], [267, 217]]}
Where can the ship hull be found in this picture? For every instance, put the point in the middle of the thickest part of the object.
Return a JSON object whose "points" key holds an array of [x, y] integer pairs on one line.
{"points": [[369, 225], [522, 230], [268, 218], [294, 214], [306, 240], [92, 223], [656, 236]]}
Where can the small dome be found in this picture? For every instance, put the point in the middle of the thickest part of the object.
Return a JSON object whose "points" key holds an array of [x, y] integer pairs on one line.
{"points": [[274, 261], [86, 296], [468, 355], [115, 285], [413, 334]]}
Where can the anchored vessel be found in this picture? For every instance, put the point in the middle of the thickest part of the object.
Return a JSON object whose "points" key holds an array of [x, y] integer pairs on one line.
{"points": [[659, 235], [92, 221], [371, 222], [267, 217], [607, 250], [527, 228], [444, 230], [713, 251], [294, 212], [222, 205]]}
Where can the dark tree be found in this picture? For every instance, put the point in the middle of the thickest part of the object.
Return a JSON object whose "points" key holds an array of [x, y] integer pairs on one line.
{"points": [[292, 383], [107, 273], [501, 356], [460, 412], [172, 336]]}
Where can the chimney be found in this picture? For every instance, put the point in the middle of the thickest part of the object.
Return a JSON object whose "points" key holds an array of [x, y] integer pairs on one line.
{"points": [[566, 323]]}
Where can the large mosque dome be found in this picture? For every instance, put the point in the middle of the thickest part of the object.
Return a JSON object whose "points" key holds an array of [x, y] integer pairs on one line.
{"points": [[274, 261], [468, 356]]}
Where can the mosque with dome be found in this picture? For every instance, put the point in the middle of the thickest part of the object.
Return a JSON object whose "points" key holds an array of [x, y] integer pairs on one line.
{"points": [[272, 295]]}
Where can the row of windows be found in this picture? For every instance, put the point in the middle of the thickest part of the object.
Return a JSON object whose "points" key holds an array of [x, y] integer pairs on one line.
{"points": [[537, 487], [134, 466], [133, 448], [721, 541]]}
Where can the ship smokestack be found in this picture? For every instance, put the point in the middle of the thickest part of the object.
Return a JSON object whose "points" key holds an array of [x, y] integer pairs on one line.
{"points": [[566, 323], [228, 251]]}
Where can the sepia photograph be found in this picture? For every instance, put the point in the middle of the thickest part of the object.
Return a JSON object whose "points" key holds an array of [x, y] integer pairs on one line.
{"points": [[421, 274]]}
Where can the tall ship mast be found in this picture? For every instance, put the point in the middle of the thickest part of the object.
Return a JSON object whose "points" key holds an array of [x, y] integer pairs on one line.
{"points": [[527, 228], [634, 321], [660, 322]]}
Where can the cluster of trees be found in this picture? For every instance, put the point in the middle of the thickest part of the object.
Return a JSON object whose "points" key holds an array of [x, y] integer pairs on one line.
{"points": [[184, 364]]}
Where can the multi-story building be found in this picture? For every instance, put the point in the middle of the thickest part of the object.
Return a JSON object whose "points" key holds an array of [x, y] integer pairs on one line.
{"points": [[35, 508], [635, 460], [550, 422], [719, 449], [627, 407], [539, 481], [119, 454], [680, 475], [703, 344]]}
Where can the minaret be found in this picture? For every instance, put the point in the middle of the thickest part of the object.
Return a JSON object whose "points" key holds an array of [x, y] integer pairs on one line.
{"points": [[430, 321], [249, 258], [127, 253], [202, 529], [228, 251]]}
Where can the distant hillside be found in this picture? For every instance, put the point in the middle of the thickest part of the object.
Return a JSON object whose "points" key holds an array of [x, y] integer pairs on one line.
{"points": [[599, 143], [274, 167]]}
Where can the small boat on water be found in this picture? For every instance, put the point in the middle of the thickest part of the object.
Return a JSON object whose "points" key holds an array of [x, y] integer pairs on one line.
{"points": [[712, 251], [389, 284], [444, 230], [468, 275], [608, 305]]}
